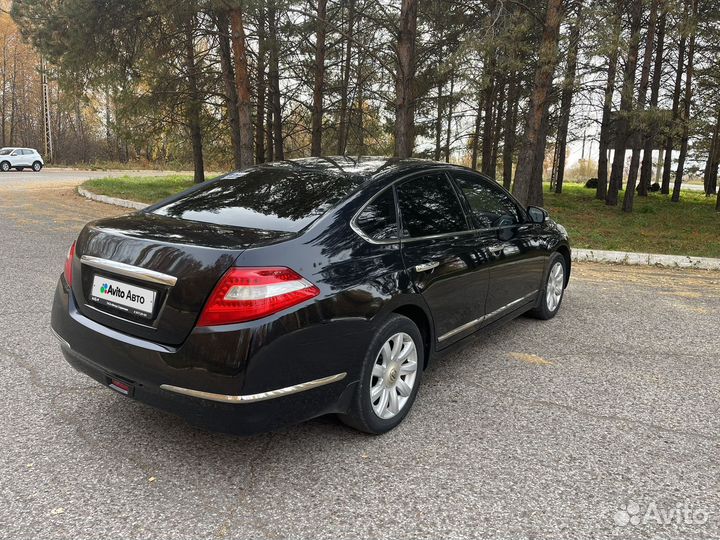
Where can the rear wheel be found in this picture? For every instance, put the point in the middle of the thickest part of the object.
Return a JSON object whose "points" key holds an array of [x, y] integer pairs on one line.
{"points": [[552, 294], [36, 166], [390, 377], [4, 166]]}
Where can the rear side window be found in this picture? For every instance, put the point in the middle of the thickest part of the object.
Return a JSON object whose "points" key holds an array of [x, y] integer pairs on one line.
{"points": [[284, 197], [490, 206], [429, 206], [378, 219]]}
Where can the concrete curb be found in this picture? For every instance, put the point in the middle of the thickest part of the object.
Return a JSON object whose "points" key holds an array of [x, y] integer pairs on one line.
{"points": [[580, 255], [111, 200], [645, 259]]}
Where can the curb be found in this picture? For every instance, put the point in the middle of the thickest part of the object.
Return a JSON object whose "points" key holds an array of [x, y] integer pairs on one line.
{"points": [[645, 259], [578, 255], [111, 200]]}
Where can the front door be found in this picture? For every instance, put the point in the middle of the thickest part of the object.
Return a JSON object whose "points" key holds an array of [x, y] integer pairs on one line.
{"points": [[516, 256], [440, 254]]}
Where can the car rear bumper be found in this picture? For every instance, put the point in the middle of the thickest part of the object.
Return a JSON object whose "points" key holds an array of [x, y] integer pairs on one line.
{"points": [[287, 381]]}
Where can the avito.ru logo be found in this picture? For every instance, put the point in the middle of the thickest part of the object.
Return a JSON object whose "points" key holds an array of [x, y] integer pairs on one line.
{"points": [[119, 293]]}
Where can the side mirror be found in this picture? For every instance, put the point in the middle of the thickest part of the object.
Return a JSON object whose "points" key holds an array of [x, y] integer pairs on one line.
{"points": [[537, 214], [14, 154]]}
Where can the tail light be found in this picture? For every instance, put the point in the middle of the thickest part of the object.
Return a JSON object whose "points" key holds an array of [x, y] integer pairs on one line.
{"points": [[246, 294], [69, 264]]}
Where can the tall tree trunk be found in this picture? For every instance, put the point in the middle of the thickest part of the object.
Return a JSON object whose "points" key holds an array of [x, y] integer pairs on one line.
{"points": [[438, 121], [261, 104], [274, 76], [344, 123], [194, 104], [242, 82], [404, 83], [526, 182], [566, 99], [667, 166], [476, 135], [637, 137], [606, 125], [497, 131], [222, 24], [646, 166], [448, 127], [711, 166], [489, 99], [360, 85], [685, 118], [626, 101], [509, 130], [319, 85]]}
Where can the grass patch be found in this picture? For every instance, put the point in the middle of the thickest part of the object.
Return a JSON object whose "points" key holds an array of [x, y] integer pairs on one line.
{"points": [[146, 189], [656, 225]]}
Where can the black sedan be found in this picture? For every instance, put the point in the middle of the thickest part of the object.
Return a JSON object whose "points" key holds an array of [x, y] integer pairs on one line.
{"points": [[286, 291]]}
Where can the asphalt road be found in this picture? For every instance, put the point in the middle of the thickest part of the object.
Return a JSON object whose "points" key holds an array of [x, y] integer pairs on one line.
{"points": [[602, 423]]}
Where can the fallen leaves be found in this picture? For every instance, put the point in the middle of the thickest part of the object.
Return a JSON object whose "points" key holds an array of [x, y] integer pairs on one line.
{"points": [[530, 358]]}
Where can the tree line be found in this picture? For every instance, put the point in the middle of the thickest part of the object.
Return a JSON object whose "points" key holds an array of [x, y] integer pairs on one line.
{"points": [[504, 86]]}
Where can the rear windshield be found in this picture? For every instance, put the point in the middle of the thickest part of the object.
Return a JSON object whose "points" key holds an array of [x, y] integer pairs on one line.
{"points": [[278, 198]]}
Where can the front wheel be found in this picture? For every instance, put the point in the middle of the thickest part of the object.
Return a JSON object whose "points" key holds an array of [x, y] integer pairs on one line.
{"points": [[552, 294], [390, 377], [36, 166]]}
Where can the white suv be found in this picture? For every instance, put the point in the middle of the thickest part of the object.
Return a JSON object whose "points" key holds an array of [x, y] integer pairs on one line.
{"points": [[20, 158]]}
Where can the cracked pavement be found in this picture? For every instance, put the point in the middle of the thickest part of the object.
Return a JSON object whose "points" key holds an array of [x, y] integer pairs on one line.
{"points": [[534, 430]]}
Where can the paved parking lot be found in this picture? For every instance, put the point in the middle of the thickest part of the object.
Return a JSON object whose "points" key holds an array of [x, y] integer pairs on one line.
{"points": [[603, 422]]}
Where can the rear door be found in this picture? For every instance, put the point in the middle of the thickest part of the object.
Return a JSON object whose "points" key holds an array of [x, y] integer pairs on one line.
{"points": [[27, 156], [516, 256], [440, 253]]}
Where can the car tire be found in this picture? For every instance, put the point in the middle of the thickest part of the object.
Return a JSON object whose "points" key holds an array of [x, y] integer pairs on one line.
{"points": [[5, 166], [386, 375], [553, 290], [37, 166]]}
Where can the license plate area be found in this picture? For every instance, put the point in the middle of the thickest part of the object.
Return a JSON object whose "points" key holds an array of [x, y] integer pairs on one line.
{"points": [[123, 298]]}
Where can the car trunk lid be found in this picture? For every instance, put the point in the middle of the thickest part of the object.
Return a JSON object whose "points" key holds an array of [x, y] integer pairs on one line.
{"points": [[149, 275]]}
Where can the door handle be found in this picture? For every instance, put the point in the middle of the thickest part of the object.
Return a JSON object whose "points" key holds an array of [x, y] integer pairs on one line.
{"points": [[424, 267]]}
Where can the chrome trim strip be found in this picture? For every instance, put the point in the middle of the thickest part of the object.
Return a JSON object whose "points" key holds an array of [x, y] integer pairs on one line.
{"points": [[490, 315], [129, 270], [60, 338], [254, 398]]}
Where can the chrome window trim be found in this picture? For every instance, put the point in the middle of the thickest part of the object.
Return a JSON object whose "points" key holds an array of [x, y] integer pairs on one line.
{"points": [[355, 227], [479, 320], [254, 398], [129, 270]]}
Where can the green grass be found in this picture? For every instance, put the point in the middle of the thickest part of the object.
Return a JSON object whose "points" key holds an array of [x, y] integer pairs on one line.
{"points": [[147, 189], [690, 227], [656, 225]]}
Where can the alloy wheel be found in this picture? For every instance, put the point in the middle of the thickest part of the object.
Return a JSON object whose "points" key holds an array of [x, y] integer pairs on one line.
{"points": [[393, 375], [555, 285]]}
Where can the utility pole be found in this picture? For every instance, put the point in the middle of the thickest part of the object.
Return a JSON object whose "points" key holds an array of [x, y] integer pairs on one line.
{"points": [[46, 112]]}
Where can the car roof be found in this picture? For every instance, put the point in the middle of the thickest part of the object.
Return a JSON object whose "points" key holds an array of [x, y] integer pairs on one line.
{"points": [[364, 167]]}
